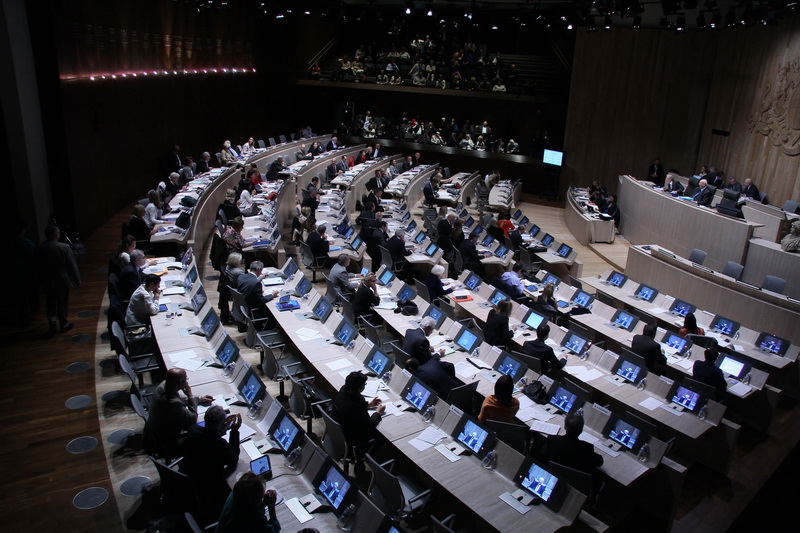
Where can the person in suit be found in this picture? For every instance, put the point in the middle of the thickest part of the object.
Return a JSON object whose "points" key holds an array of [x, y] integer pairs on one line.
{"points": [[673, 186], [341, 165], [351, 410], [750, 191], [704, 195], [331, 172], [539, 349], [416, 343], [275, 168], [612, 209], [170, 414], [208, 459], [375, 198], [399, 252], [58, 274], [496, 331], [365, 297], [438, 375], [303, 154], [333, 144], [131, 275], [655, 171], [137, 226], [204, 164], [341, 278], [312, 202], [250, 286], [408, 164], [646, 346], [569, 450], [374, 238], [706, 371], [228, 155], [244, 510], [377, 152], [471, 257], [314, 185], [445, 226], [434, 283], [501, 405], [318, 243]]}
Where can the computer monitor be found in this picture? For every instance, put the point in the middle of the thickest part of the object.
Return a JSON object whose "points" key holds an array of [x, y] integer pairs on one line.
{"points": [[406, 293], [510, 366], [616, 279], [772, 344], [419, 237], [322, 309], [684, 396], [290, 267], [628, 430], [386, 277], [467, 340], [378, 362], [552, 157], [419, 395], [431, 249], [567, 397], [406, 216], [199, 299], [575, 343], [732, 367], [523, 221], [533, 319], [624, 320], [497, 297], [463, 214], [411, 226], [487, 241], [582, 298], [676, 343], [477, 231], [187, 257], [564, 250], [534, 231], [251, 388], [550, 278], [472, 436], [191, 277], [469, 222], [210, 323], [473, 281], [261, 467], [541, 483], [501, 250], [630, 367], [303, 286], [726, 326], [334, 486], [356, 244], [436, 314], [516, 215], [547, 240], [286, 432], [228, 351], [646, 293], [345, 332], [681, 308]]}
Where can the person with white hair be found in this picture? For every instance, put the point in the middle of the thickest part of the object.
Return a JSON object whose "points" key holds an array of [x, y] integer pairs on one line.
{"points": [[416, 342], [228, 155], [434, 283]]}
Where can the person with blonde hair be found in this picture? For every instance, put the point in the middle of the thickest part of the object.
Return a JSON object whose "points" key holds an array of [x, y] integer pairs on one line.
{"points": [[496, 331], [152, 213], [367, 296]]}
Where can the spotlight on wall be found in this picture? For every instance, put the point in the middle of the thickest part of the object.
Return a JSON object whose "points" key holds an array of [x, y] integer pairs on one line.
{"points": [[607, 24], [680, 23]]}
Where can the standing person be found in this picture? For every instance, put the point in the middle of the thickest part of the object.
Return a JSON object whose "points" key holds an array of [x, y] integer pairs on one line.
{"points": [[59, 273], [655, 171]]}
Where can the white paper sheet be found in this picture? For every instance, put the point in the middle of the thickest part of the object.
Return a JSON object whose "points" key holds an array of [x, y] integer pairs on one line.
{"points": [[182, 355], [339, 364], [651, 403]]}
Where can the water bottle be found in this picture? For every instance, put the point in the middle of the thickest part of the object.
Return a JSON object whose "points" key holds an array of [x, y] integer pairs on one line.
{"points": [[429, 413], [168, 318], [490, 460], [228, 370], [642, 384], [703, 413], [387, 377], [736, 335], [746, 379], [521, 383], [291, 459], [254, 409], [389, 285], [476, 353], [343, 522], [579, 412], [351, 345], [644, 453], [688, 354], [305, 298]]}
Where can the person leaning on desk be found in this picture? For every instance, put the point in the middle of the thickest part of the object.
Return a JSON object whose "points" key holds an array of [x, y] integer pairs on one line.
{"points": [[351, 410], [568, 450], [416, 342], [706, 371], [436, 374], [496, 331], [366, 296], [244, 510], [539, 349]]}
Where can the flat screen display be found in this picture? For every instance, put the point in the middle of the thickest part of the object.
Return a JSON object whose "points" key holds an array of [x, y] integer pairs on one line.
{"points": [[625, 320], [616, 279], [552, 157], [345, 332], [686, 398], [497, 297], [510, 366], [733, 367], [467, 340], [322, 309], [541, 483], [677, 343], [646, 293], [356, 243], [303, 286], [290, 268], [420, 237], [472, 436], [210, 323], [724, 325], [681, 308], [547, 240], [516, 214], [378, 362], [436, 314], [192, 276], [187, 257], [533, 319], [501, 251], [334, 486], [418, 394], [469, 222], [624, 433], [431, 249], [575, 343], [386, 277], [228, 351], [772, 344], [524, 221], [251, 387], [564, 250], [487, 240], [582, 299], [406, 293], [566, 400], [285, 432], [550, 278], [199, 299], [535, 231], [628, 371], [472, 281]]}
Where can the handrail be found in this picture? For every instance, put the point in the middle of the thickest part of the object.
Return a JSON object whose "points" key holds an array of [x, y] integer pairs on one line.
{"points": [[325, 49]]}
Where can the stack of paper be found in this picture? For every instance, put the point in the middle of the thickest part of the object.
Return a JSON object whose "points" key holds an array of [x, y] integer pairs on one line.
{"points": [[307, 334]]}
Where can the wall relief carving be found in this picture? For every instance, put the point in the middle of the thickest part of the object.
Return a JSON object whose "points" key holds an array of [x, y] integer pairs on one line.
{"points": [[778, 114]]}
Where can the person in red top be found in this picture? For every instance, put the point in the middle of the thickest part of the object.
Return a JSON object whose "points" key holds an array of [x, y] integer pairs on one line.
{"points": [[505, 223], [254, 176]]}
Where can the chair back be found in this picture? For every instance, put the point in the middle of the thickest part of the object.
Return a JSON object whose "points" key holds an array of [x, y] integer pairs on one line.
{"points": [[386, 258], [333, 443], [534, 363], [178, 491], [347, 309], [372, 333], [223, 217], [733, 269], [261, 143], [191, 523], [270, 365], [697, 256], [119, 337], [581, 481], [790, 206], [220, 226], [463, 397], [271, 141], [385, 490], [702, 340], [515, 435], [297, 400], [458, 261], [282, 138], [138, 408], [774, 284], [238, 303], [126, 368], [422, 290], [440, 526], [401, 356], [447, 308], [307, 255], [332, 294], [575, 282]]}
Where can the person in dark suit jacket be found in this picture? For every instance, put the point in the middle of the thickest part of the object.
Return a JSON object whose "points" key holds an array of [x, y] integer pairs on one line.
{"points": [[673, 186], [496, 331], [436, 374], [704, 194], [351, 410], [341, 165], [375, 198], [366, 296], [374, 238], [655, 171], [317, 242], [407, 164], [434, 284], [515, 236], [131, 275], [58, 273], [331, 172], [312, 202], [750, 191], [570, 451], [204, 164], [539, 349], [250, 286], [333, 144], [397, 249], [416, 342], [646, 346], [275, 168], [445, 226], [429, 192], [707, 372], [471, 257]]}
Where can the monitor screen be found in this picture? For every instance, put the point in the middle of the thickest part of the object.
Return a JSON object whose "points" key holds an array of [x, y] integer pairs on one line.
{"points": [[406, 293], [550, 278], [406, 217], [323, 309], [625, 320], [469, 222], [436, 314], [565, 399], [628, 371], [686, 398], [187, 256], [510, 366], [575, 343], [387, 277], [724, 325], [535, 230], [356, 243], [582, 299], [463, 213], [624, 433], [617, 279], [261, 466], [547, 240], [290, 268], [477, 231], [681, 308], [251, 387], [564, 250], [286, 432], [733, 367], [227, 351], [497, 297], [541, 484], [646, 293], [431, 249], [524, 221], [210, 323], [303, 286], [676, 343], [487, 240], [334, 486], [472, 436], [467, 340], [378, 362], [533, 319], [418, 394], [772, 344], [192, 276], [472, 281], [411, 226], [199, 299], [345, 332], [552, 157], [420, 237], [516, 214], [501, 251]]}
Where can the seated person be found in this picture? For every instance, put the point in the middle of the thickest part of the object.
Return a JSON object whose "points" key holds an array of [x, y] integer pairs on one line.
{"points": [[416, 343], [436, 374], [366, 296], [471, 257], [234, 241], [501, 405], [131, 275], [429, 190], [513, 282], [318, 243], [690, 326], [228, 206], [546, 297], [706, 371], [246, 206], [434, 283], [750, 191], [249, 284], [496, 331], [249, 147], [312, 202], [341, 278], [704, 195], [646, 346], [569, 450], [275, 168], [539, 349], [244, 508], [228, 155], [495, 231], [673, 186], [505, 224], [351, 410], [144, 301], [399, 252], [137, 226]]}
